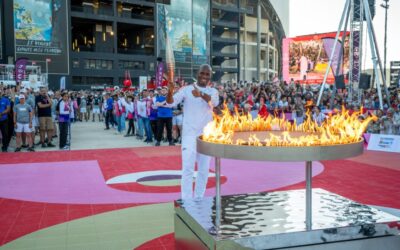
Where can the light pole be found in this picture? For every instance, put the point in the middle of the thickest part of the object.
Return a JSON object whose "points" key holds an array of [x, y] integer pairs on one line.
{"points": [[386, 7]]}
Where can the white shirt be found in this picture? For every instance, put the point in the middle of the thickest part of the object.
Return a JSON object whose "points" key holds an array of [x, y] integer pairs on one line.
{"points": [[129, 107], [142, 109], [197, 112], [63, 110], [121, 102]]}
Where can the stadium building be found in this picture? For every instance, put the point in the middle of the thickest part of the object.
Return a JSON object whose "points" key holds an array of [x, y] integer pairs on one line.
{"points": [[94, 43]]}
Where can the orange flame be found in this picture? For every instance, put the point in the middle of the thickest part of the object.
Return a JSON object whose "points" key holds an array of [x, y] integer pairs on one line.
{"points": [[341, 128]]}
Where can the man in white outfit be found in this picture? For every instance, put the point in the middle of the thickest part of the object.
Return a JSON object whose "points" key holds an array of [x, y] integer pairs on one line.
{"points": [[199, 100]]}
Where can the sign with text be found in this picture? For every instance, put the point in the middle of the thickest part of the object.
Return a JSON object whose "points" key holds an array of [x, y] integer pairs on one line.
{"points": [[142, 83], [40, 33], [386, 143]]}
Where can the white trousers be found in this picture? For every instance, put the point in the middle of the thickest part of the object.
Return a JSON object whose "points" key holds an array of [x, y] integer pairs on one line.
{"points": [[189, 158]]}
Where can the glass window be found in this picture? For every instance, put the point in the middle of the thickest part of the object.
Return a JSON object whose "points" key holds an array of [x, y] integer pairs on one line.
{"points": [[136, 65], [75, 63], [98, 64]]}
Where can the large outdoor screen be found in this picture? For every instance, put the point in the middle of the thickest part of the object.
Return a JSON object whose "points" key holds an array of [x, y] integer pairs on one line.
{"points": [[41, 33], [305, 58]]}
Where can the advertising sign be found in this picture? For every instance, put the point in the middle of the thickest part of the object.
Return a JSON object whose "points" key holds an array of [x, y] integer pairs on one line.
{"points": [[387, 143], [305, 58], [40, 33]]}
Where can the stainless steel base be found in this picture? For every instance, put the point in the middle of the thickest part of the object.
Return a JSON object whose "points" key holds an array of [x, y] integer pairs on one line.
{"points": [[277, 220]]}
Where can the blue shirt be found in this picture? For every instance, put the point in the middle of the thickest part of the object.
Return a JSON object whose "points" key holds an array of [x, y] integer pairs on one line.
{"points": [[4, 103], [163, 112], [110, 103]]}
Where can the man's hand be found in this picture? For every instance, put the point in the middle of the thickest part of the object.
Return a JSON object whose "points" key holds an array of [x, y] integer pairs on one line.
{"points": [[196, 92], [30, 125]]}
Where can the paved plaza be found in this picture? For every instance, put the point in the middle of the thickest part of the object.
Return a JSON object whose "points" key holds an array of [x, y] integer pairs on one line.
{"points": [[114, 192]]}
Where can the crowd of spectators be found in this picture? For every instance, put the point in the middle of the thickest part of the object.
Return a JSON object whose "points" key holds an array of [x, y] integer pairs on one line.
{"points": [[145, 115]]}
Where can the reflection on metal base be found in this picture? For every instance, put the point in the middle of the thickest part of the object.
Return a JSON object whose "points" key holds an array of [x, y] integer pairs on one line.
{"points": [[277, 220]]}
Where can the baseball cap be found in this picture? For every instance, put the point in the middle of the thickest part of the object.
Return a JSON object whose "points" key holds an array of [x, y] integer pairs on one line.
{"points": [[21, 96]]}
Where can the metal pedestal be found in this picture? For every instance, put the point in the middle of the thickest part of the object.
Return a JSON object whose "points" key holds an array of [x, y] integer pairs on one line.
{"points": [[308, 207], [277, 220]]}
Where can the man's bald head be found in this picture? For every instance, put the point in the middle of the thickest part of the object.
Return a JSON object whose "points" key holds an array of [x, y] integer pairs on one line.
{"points": [[204, 75]]}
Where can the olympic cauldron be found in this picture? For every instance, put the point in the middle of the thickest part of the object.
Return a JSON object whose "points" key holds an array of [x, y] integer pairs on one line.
{"points": [[272, 220]]}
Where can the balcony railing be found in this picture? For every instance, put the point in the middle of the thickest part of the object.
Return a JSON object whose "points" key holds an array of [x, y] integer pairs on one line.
{"points": [[146, 52], [126, 14], [107, 11]]}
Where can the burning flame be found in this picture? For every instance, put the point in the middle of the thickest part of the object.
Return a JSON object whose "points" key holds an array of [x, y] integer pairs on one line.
{"points": [[340, 128]]}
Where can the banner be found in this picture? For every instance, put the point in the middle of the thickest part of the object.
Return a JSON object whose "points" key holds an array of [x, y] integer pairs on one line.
{"points": [[159, 74], [20, 66], [386, 143], [142, 83], [41, 32], [356, 57], [62, 83], [337, 60]]}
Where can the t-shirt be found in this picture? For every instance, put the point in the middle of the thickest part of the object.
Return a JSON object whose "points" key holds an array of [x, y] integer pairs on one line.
{"points": [[163, 112], [197, 112], [83, 103], [43, 112], [110, 103], [4, 103], [96, 102], [22, 111], [89, 100]]}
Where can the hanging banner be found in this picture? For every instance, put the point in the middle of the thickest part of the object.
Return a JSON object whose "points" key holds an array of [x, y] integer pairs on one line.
{"points": [[20, 66], [62, 83], [337, 59], [142, 83], [159, 74], [356, 57]]}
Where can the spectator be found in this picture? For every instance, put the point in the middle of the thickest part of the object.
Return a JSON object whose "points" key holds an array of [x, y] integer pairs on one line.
{"points": [[65, 108], [23, 114], [5, 107], [129, 107], [44, 104], [164, 118], [96, 108], [318, 117], [387, 125], [109, 111]]}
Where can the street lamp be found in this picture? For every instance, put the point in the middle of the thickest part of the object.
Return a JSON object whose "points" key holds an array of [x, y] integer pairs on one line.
{"points": [[386, 7]]}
